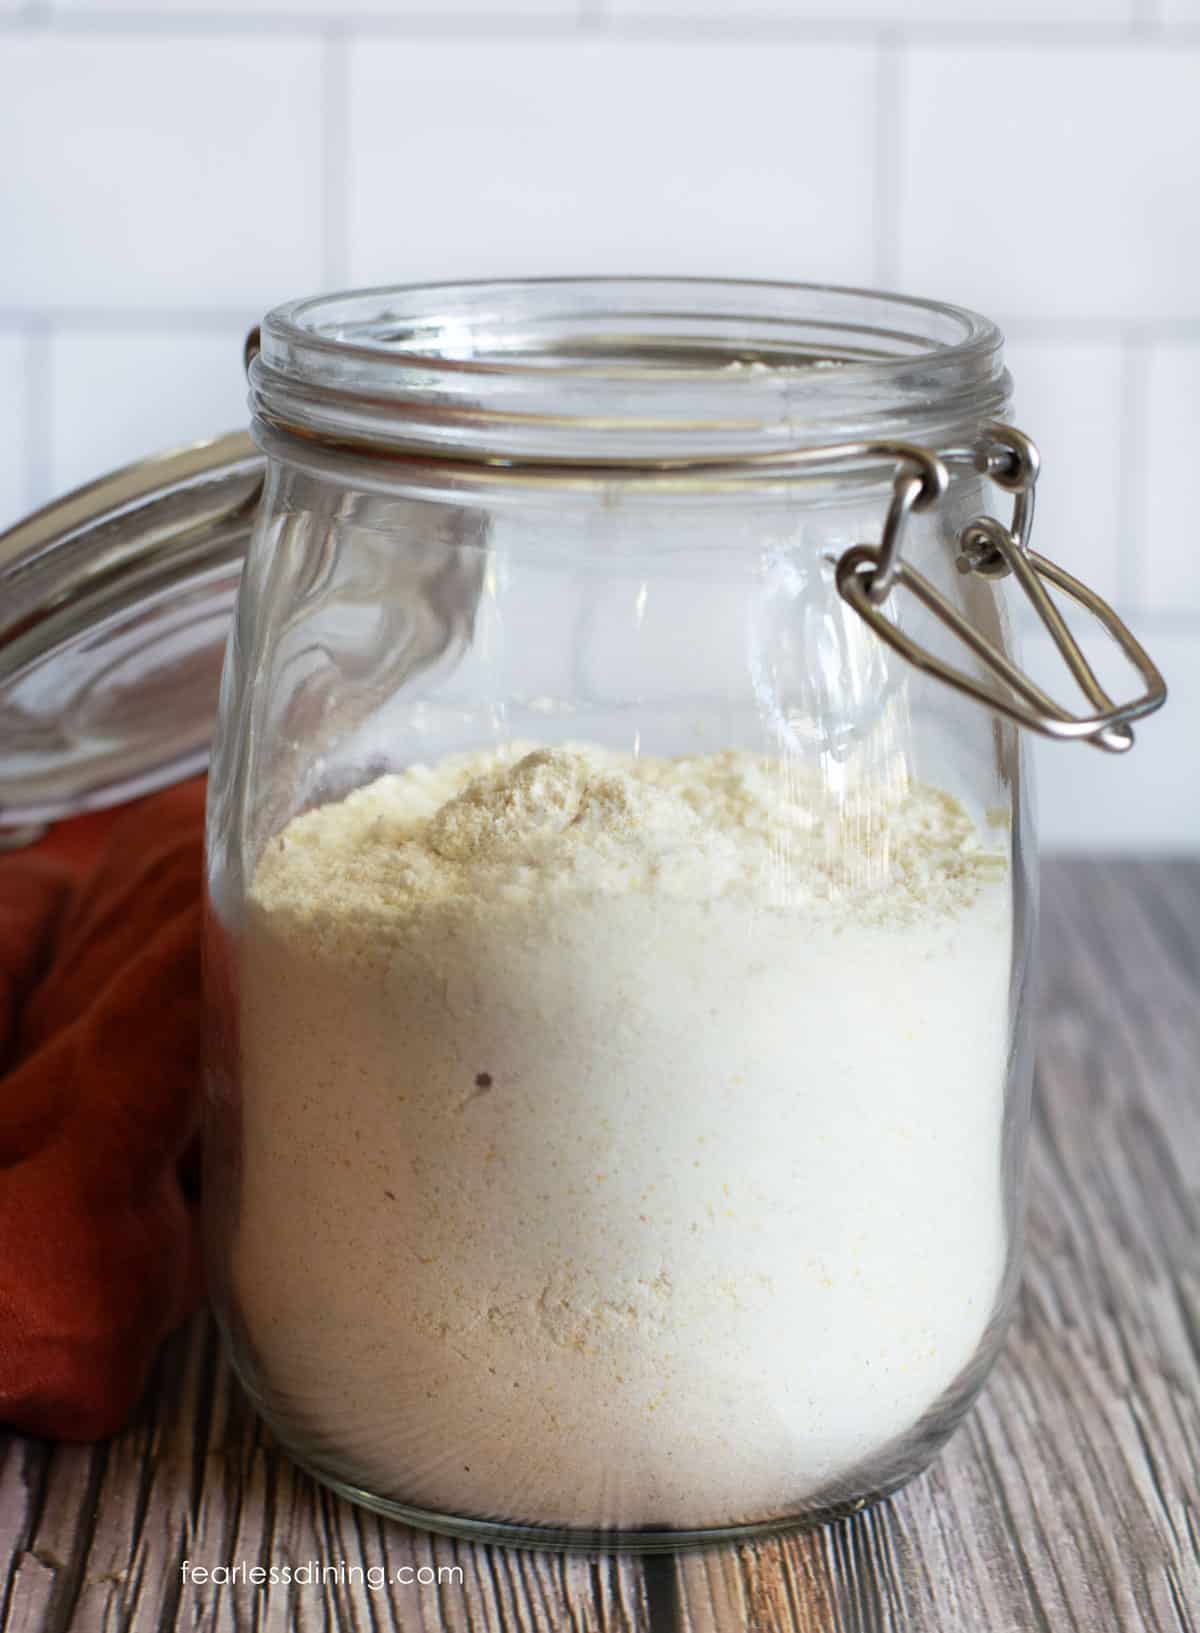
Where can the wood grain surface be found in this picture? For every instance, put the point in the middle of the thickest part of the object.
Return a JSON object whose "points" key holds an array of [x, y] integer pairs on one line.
{"points": [[1068, 1502]]}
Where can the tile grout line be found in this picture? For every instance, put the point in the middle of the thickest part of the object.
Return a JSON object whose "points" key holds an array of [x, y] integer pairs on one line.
{"points": [[1047, 330], [132, 320], [248, 23], [1132, 471], [1144, 26], [39, 412], [149, 320], [335, 157], [1165, 620], [890, 92], [1147, 21]]}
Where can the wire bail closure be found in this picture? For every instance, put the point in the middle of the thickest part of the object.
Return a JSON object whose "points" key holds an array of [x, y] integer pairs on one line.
{"points": [[866, 575]]}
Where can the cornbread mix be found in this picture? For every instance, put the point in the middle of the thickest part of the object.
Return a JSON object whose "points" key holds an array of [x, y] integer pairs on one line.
{"points": [[574, 1183]]}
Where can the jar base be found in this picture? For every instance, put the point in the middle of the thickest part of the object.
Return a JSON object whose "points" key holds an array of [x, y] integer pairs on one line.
{"points": [[549, 1539], [910, 1457]]}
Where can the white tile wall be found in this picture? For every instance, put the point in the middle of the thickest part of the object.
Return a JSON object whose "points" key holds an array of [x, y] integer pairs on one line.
{"points": [[567, 9], [175, 166], [960, 12], [1068, 395], [1169, 509], [574, 155], [15, 487], [1058, 183], [1150, 797], [116, 396], [159, 173]]}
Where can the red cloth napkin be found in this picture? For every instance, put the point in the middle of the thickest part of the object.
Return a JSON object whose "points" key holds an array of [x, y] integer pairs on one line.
{"points": [[100, 1037]]}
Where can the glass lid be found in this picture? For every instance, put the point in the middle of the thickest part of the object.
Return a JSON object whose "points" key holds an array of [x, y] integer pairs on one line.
{"points": [[114, 606]]}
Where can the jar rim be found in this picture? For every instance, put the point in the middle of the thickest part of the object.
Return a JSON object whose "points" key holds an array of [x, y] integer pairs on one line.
{"points": [[566, 368], [301, 317]]}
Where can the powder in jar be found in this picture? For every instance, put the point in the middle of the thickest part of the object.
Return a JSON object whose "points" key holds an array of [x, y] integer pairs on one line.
{"points": [[621, 1136]]}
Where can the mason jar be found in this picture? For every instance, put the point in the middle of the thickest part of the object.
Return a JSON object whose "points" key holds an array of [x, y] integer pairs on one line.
{"points": [[620, 872]]}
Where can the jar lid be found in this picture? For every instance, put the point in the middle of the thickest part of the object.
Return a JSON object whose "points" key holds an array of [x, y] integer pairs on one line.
{"points": [[115, 603]]}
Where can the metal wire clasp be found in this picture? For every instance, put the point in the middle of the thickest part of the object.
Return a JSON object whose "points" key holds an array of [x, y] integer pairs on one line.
{"points": [[866, 574]]}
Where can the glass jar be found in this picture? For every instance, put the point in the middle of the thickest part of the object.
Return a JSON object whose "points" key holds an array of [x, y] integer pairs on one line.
{"points": [[620, 901]]}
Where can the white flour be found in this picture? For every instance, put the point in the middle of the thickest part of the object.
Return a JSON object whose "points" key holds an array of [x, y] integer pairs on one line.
{"points": [[621, 1137]]}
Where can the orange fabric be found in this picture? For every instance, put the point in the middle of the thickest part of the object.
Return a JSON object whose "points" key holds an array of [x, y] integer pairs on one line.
{"points": [[79, 843], [100, 1033]]}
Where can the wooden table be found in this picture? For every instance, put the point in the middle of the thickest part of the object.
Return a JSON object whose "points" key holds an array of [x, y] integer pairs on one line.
{"points": [[1068, 1503]]}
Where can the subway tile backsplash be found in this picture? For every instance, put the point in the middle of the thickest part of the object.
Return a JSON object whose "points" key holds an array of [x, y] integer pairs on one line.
{"points": [[568, 156], [567, 10], [120, 393], [961, 13], [176, 166], [16, 489], [1069, 396], [156, 172], [1057, 183], [1169, 509]]}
